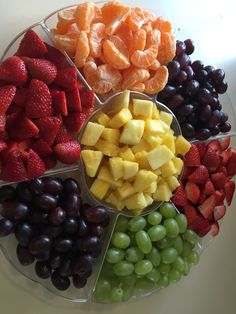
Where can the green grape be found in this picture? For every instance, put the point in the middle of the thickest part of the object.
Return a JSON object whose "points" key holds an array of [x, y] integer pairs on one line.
{"points": [[154, 218], [193, 258], [128, 292], [172, 228], [179, 264], [122, 224], [157, 233], [102, 289], [182, 222], [132, 238], [143, 241], [115, 294], [163, 282], [167, 210], [174, 275], [191, 237], [154, 275], [133, 254], [178, 244], [165, 243], [187, 249], [137, 223], [169, 255], [114, 255], [143, 267], [123, 268], [164, 268], [154, 256], [144, 284], [107, 270], [120, 240], [128, 280], [187, 268]]}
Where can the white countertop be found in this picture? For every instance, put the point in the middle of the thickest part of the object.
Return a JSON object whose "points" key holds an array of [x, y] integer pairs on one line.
{"points": [[210, 287]]}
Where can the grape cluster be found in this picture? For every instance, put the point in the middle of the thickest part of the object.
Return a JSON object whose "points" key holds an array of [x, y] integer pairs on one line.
{"points": [[53, 228], [192, 94], [146, 253]]}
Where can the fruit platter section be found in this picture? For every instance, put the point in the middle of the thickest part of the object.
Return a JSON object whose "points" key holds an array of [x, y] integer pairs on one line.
{"points": [[153, 168]]}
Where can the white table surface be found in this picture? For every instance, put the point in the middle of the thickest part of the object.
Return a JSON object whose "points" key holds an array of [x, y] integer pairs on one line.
{"points": [[210, 288]]}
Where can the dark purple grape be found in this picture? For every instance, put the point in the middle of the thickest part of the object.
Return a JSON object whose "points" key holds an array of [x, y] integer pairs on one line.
{"points": [[82, 264], [97, 250], [71, 186], [106, 222], [15, 211], [184, 61], [197, 65], [201, 76], [88, 243], [43, 270], [168, 91], [7, 194], [43, 256], [204, 96], [217, 76], [215, 130], [95, 214], [186, 110], [209, 69], [181, 77], [175, 101], [38, 217], [225, 127], [70, 225], [96, 230], [63, 245], [221, 88], [219, 107], [203, 134], [189, 46], [193, 119], [189, 72], [23, 192], [55, 261], [72, 205], [45, 201], [53, 186], [179, 89], [180, 48], [24, 256], [6, 227], [39, 244], [24, 233], [215, 119], [79, 282], [214, 103], [83, 228], [87, 274], [205, 113], [192, 88], [57, 216], [36, 186], [208, 86], [181, 119], [59, 282], [173, 69], [188, 130], [224, 117], [65, 270]]}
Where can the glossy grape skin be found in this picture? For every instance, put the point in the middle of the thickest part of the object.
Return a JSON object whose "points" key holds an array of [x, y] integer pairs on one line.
{"points": [[169, 255], [7, 194], [65, 269], [201, 76], [82, 264], [72, 205], [133, 254], [204, 96], [193, 258], [186, 110], [143, 267], [167, 210], [165, 243], [42, 270], [23, 192], [79, 282], [114, 255], [15, 211], [225, 127], [143, 241], [128, 292], [182, 222], [95, 214], [55, 261], [57, 216], [63, 244], [189, 46], [181, 77], [197, 65], [203, 134], [184, 60], [180, 48], [53, 186], [38, 217], [191, 237], [88, 243], [102, 289], [188, 130], [168, 91], [188, 69], [171, 227], [59, 282], [70, 226], [136, 224], [154, 256], [174, 275], [123, 268], [122, 224], [187, 249], [24, 233], [40, 244], [52, 231], [83, 228], [179, 264], [120, 240], [157, 233], [115, 295], [221, 88], [6, 227], [192, 87], [154, 275], [71, 186], [175, 101], [164, 268], [173, 69], [36, 186], [45, 201], [24, 256], [154, 218], [144, 284], [96, 230]]}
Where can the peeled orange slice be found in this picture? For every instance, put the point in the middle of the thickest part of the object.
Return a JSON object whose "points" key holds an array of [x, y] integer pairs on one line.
{"points": [[102, 87], [155, 65], [120, 45], [73, 31], [147, 28], [143, 59], [96, 35], [66, 43], [90, 71], [133, 76], [136, 19], [167, 48], [84, 14], [67, 16], [82, 49], [158, 81], [61, 29], [125, 33], [114, 57], [97, 15], [108, 73], [162, 24], [139, 41], [140, 87], [153, 39]]}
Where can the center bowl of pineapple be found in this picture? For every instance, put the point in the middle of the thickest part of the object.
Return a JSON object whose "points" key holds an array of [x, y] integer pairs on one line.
{"points": [[130, 154]]}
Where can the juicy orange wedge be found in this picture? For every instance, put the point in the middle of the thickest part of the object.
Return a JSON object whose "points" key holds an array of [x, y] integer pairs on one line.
{"points": [[133, 76], [73, 31], [153, 39], [96, 35], [67, 16], [140, 87], [155, 65], [125, 33], [114, 57], [97, 15], [158, 81], [120, 45], [167, 48], [108, 73], [66, 43], [139, 41], [84, 15], [136, 19], [143, 59], [82, 49], [162, 24]]}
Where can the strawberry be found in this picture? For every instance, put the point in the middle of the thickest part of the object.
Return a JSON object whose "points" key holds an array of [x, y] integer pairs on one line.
{"points": [[75, 121], [41, 69], [68, 153], [13, 71], [59, 103], [192, 158], [50, 161], [63, 135], [35, 165], [202, 199], [214, 228], [13, 168], [200, 225], [20, 97], [7, 94], [190, 212], [207, 207], [226, 155], [3, 145], [231, 166], [39, 102], [220, 196], [179, 197], [21, 127], [211, 158], [67, 78], [31, 46], [201, 149], [48, 128], [215, 145], [14, 109], [186, 172], [42, 148], [56, 56], [192, 192], [229, 191], [2, 123], [73, 100], [219, 212], [200, 175], [87, 101], [224, 142], [209, 188], [219, 179]]}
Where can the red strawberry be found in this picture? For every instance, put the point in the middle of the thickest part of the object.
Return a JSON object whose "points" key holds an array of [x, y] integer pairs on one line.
{"points": [[219, 212], [7, 94], [3, 145], [56, 56], [35, 165], [202, 199], [224, 142], [31, 46], [68, 153], [67, 78], [73, 100], [87, 101], [179, 197], [20, 97], [215, 145], [209, 188], [200, 175], [229, 191], [13, 168], [13, 71], [192, 192], [39, 102], [211, 158], [226, 155], [48, 128], [42, 148], [50, 161], [201, 149], [21, 128], [190, 212], [220, 196], [208, 206], [59, 104], [201, 226], [14, 109], [214, 228], [2, 123], [231, 166], [222, 169], [75, 121], [63, 135], [186, 173], [192, 158], [219, 179]]}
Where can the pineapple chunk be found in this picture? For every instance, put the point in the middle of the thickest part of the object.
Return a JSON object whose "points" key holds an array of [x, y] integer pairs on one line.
{"points": [[121, 101], [160, 180], [130, 169], [166, 117], [92, 133], [155, 112], [165, 126], [92, 160], [143, 180], [152, 188], [152, 140], [132, 132], [99, 188], [107, 148], [111, 135], [168, 169], [121, 118], [116, 167], [159, 156], [115, 201], [169, 141], [125, 191], [148, 198], [154, 127], [182, 146], [127, 154], [157, 171], [178, 162], [103, 119], [105, 175], [142, 145], [137, 212], [141, 158], [142, 107], [136, 201], [163, 193], [172, 182]]}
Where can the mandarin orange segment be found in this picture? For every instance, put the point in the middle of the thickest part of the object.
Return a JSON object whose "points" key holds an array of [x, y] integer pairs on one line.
{"points": [[62, 28], [158, 81], [90, 71], [125, 33], [84, 14], [134, 76], [162, 24], [147, 28], [101, 87], [114, 57], [107, 73], [82, 49], [96, 36], [153, 38], [140, 87], [73, 31], [143, 59], [155, 65], [120, 45], [67, 16], [66, 43], [97, 15], [136, 19], [167, 48], [139, 41], [149, 16]]}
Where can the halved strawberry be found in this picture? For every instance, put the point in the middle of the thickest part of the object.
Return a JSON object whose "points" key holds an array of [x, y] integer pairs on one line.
{"points": [[56, 56], [87, 101], [179, 197], [14, 109], [73, 100], [222, 169], [35, 165], [215, 228], [208, 206], [220, 196], [13, 168], [7, 94], [21, 97], [229, 189], [67, 78], [3, 145], [211, 158], [59, 103], [200, 175], [13, 71], [2, 123], [63, 135], [201, 149], [50, 161], [231, 166], [209, 188], [42, 148], [48, 128], [192, 192], [200, 225], [202, 199], [75, 121], [219, 179], [190, 212], [21, 127], [215, 145], [225, 156], [192, 158], [68, 153], [186, 172], [224, 142], [219, 212]]}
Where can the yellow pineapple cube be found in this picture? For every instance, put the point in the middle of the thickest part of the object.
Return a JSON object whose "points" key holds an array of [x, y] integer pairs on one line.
{"points": [[92, 160], [116, 167], [143, 180], [169, 141], [122, 100], [103, 119], [152, 188], [157, 171], [132, 132], [182, 146], [120, 118], [130, 169], [105, 175], [136, 201], [155, 112], [160, 180], [163, 193], [111, 135], [115, 201], [165, 126], [178, 162], [142, 107], [142, 145], [154, 127], [168, 169], [166, 117], [107, 148], [141, 158], [126, 153], [92, 133], [148, 198], [125, 190], [173, 182], [99, 188], [152, 140], [159, 156], [137, 212]]}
